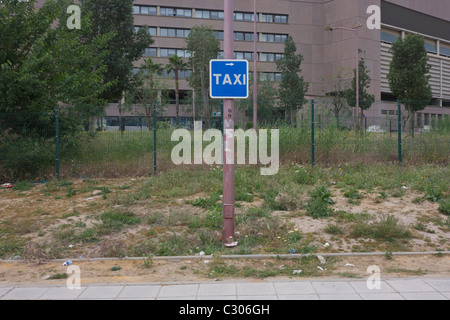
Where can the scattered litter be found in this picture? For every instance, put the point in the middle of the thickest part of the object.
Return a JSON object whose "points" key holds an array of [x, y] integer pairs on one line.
{"points": [[349, 265], [320, 268], [282, 267], [70, 246], [404, 187], [292, 250], [67, 263], [321, 259], [206, 261], [201, 253], [296, 271], [231, 244], [88, 199], [7, 185], [17, 257], [326, 245]]}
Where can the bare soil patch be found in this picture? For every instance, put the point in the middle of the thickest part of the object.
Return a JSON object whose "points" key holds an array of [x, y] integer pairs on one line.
{"points": [[47, 217]]}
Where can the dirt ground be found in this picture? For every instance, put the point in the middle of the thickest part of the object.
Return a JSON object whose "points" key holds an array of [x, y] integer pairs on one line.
{"points": [[195, 270], [51, 209]]}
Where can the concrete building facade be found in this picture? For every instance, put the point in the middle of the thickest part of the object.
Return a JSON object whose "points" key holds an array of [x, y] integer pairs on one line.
{"points": [[324, 52]]}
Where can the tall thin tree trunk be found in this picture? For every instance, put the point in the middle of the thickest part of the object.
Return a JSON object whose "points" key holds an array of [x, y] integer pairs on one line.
{"points": [[177, 96]]}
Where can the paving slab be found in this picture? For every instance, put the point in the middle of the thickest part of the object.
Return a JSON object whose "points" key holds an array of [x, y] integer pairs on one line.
{"points": [[297, 288], [101, 292], [220, 289], [139, 291], [361, 287], [62, 293], [330, 287], [413, 285], [423, 296], [340, 296], [381, 296], [298, 297], [4, 290], [173, 291], [440, 285], [24, 293], [256, 289]]}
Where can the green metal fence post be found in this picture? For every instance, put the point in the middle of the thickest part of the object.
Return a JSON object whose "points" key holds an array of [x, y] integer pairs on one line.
{"points": [[312, 132], [399, 111], [57, 140], [154, 138]]}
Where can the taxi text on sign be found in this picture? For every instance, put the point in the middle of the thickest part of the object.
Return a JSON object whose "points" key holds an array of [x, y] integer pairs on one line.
{"points": [[228, 79]]}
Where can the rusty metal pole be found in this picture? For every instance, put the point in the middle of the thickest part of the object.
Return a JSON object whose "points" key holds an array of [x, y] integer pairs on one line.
{"points": [[228, 136], [255, 72]]}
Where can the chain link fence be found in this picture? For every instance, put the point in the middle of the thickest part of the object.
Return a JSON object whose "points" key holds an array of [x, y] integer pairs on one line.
{"points": [[44, 146]]}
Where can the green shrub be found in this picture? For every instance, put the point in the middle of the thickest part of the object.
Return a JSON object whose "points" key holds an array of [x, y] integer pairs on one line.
{"points": [[319, 204], [444, 206], [115, 220]]}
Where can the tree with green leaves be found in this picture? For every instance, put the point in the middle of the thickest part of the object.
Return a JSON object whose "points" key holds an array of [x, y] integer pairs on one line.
{"points": [[335, 88], [408, 75], [127, 46], [145, 94], [292, 88], [43, 64], [365, 99], [175, 65], [266, 97], [202, 46]]}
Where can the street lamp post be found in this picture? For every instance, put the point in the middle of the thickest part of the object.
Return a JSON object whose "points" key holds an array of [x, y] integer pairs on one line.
{"points": [[355, 29]]}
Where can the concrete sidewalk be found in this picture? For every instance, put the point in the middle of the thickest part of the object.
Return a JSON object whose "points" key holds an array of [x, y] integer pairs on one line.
{"points": [[390, 289]]}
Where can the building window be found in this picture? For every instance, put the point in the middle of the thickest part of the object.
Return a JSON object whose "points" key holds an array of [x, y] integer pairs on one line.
{"points": [[243, 16], [169, 52], [208, 14], [270, 76], [150, 52], [269, 37], [444, 49], [151, 30], [219, 35], [271, 57], [430, 46], [389, 36], [174, 33], [144, 10], [274, 18], [175, 12]]}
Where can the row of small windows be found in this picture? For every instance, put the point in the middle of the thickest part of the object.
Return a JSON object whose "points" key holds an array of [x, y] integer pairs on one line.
{"points": [[242, 55], [208, 14], [430, 45], [238, 36]]}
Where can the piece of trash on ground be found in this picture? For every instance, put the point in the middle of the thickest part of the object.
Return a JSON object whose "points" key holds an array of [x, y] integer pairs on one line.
{"points": [[67, 263], [320, 268], [231, 244], [297, 271], [321, 259], [349, 265]]}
